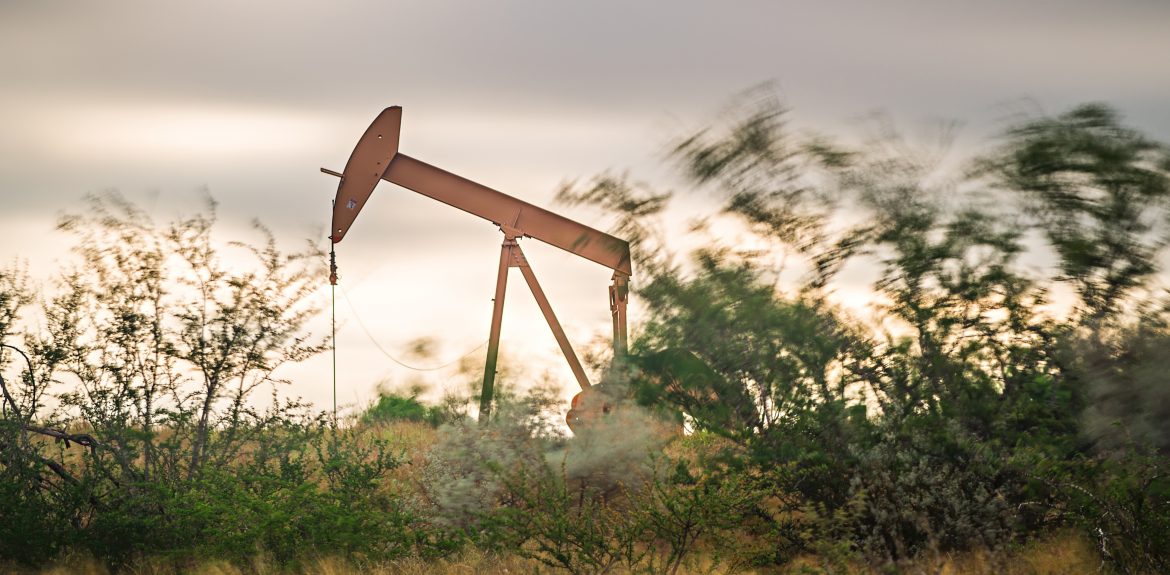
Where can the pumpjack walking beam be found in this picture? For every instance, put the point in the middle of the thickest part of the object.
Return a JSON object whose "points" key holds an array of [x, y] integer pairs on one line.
{"points": [[376, 158]]}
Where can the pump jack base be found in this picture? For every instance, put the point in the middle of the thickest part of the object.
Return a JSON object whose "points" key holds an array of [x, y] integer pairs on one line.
{"points": [[587, 408]]}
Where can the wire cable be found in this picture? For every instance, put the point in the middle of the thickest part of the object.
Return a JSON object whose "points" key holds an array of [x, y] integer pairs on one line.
{"points": [[333, 314], [333, 322], [369, 335]]}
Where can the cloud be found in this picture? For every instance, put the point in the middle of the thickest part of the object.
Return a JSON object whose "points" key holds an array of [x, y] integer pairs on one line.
{"points": [[248, 99], [649, 56]]}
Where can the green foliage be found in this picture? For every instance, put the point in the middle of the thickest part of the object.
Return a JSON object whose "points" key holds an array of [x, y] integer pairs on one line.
{"points": [[929, 489], [766, 359], [964, 414], [35, 524], [682, 513], [462, 480], [1122, 502], [394, 407], [915, 438], [566, 526], [767, 176], [654, 526], [320, 494], [154, 349], [1121, 371], [1099, 190]]}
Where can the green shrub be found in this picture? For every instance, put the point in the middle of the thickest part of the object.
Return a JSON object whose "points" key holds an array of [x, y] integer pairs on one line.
{"points": [[918, 494], [1122, 502], [395, 407]]}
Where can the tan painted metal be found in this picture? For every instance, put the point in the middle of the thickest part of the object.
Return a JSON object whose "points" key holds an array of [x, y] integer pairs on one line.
{"points": [[493, 351], [369, 160], [619, 295], [376, 157], [377, 154], [504, 210]]}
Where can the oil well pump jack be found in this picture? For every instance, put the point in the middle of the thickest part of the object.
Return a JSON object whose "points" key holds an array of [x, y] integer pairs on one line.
{"points": [[376, 157]]}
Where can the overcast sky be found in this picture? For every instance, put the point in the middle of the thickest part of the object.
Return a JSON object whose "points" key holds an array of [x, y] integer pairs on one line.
{"points": [[248, 99]]}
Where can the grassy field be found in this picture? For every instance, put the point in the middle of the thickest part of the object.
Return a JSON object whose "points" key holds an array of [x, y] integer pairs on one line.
{"points": [[1062, 554], [1058, 554]]}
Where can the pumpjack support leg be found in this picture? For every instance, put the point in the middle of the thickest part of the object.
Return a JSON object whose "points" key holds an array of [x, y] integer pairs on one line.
{"points": [[550, 317], [493, 351], [619, 295]]}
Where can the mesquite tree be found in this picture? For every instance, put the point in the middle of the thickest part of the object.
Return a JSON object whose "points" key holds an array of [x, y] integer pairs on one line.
{"points": [[151, 353]]}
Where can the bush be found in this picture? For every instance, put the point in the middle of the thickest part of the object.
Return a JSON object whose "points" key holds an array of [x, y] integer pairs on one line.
{"points": [[1122, 502], [462, 480], [156, 447], [915, 498], [393, 407]]}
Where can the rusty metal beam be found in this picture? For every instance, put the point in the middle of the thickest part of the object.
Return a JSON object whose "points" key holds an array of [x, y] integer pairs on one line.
{"points": [[619, 295], [504, 210], [376, 157]]}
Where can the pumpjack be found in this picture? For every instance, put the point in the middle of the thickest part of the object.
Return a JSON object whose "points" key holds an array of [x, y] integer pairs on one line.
{"points": [[376, 158]]}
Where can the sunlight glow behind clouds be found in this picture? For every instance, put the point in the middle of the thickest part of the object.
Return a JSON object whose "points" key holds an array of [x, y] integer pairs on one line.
{"points": [[174, 133]]}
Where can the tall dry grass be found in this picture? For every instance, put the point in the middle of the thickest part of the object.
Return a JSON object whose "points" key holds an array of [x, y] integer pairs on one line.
{"points": [[1066, 553], [468, 563], [1061, 554]]}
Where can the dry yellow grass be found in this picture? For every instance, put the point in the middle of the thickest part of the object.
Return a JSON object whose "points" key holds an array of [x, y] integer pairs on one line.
{"points": [[1062, 554], [411, 437], [411, 440], [469, 563]]}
